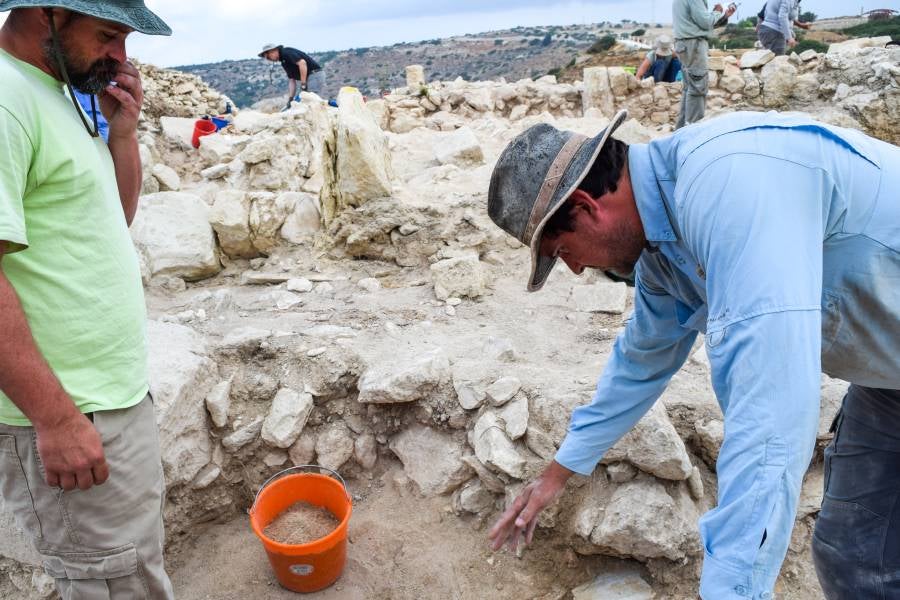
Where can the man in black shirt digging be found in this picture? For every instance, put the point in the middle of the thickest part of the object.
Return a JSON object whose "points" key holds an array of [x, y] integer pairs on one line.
{"points": [[299, 66]]}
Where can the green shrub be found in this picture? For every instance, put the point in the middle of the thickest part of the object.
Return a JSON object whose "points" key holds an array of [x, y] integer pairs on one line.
{"points": [[603, 44], [879, 28], [638, 32], [804, 45]]}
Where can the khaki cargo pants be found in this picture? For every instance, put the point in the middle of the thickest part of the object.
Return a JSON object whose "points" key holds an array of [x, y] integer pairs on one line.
{"points": [[105, 543]]}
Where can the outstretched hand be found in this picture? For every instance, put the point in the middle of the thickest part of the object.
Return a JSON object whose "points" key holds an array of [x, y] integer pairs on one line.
{"points": [[520, 519]]}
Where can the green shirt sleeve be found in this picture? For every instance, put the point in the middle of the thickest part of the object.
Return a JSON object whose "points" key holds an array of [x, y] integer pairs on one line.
{"points": [[16, 152]]}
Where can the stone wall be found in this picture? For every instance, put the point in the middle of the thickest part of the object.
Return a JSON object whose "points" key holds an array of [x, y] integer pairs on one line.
{"points": [[855, 84]]}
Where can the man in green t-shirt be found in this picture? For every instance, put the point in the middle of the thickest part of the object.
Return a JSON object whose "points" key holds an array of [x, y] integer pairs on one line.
{"points": [[79, 452]]}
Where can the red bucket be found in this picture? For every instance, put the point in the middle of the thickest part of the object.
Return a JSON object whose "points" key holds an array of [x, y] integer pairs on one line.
{"points": [[202, 127]]}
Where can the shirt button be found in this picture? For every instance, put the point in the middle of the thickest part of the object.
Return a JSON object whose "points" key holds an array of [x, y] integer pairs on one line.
{"points": [[740, 590]]}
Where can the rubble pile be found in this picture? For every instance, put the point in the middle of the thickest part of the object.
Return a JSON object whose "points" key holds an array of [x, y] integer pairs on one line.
{"points": [[324, 287], [177, 94]]}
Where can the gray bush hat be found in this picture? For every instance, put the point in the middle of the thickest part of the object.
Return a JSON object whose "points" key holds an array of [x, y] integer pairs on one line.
{"points": [[131, 13], [536, 173], [268, 47]]}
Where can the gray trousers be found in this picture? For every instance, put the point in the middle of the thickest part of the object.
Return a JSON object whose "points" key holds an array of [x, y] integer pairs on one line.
{"points": [[694, 55], [772, 40], [105, 543], [856, 545]]}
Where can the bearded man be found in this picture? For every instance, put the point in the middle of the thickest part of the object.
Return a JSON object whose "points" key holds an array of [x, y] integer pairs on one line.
{"points": [[79, 451]]}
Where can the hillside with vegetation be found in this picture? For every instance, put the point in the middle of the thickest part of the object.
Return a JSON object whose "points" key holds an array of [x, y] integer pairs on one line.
{"points": [[513, 54]]}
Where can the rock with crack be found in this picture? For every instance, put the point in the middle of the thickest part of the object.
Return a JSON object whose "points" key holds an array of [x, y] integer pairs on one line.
{"points": [[230, 218], [515, 416], [598, 91], [181, 375], [779, 78], [432, 459], [172, 232], [267, 216], [357, 159], [644, 521], [409, 380], [653, 446], [458, 277], [365, 451], [218, 403], [287, 417], [503, 390], [304, 220], [334, 446], [754, 59], [460, 148], [494, 449], [168, 179]]}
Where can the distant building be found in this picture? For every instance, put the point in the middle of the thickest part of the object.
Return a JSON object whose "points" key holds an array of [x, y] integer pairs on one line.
{"points": [[880, 14]]}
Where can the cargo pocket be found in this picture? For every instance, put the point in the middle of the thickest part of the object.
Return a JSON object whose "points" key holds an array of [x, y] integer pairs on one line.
{"points": [[102, 575], [698, 80], [15, 489]]}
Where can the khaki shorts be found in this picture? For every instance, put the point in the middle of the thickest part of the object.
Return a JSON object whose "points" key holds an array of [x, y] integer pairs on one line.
{"points": [[105, 543]]}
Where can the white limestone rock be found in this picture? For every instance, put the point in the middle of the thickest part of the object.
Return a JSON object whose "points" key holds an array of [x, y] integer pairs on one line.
{"points": [[408, 380], [415, 77], [230, 218], [779, 78], [458, 277], [598, 91], [460, 148], [287, 417], [754, 59], [304, 220], [173, 233], [515, 417], [503, 390], [218, 402], [494, 449], [265, 148], [334, 446], [432, 459], [643, 521], [653, 446], [357, 160], [365, 451], [181, 375], [169, 181]]}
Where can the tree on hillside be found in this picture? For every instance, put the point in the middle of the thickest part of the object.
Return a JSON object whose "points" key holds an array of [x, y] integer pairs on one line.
{"points": [[808, 17], [603, 44], [638, 32], [548, 39]]}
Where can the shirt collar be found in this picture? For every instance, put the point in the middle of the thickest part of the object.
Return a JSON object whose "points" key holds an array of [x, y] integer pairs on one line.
{"points": [[648, 197]]}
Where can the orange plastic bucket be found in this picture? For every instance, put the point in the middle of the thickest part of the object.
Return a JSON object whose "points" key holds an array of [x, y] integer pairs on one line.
{"points": [[202, 127], [316, 565]]}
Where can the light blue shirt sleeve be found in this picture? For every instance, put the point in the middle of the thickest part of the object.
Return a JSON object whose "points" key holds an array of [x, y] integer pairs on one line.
{"points": [[761, 246], [652, 348]]}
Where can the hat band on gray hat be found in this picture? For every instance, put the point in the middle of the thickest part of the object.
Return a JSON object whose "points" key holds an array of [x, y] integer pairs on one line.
{"points": [[551, 184]]}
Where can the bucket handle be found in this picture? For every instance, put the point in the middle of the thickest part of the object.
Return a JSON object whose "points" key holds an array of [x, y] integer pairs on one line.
{"points": [[298, 468]]}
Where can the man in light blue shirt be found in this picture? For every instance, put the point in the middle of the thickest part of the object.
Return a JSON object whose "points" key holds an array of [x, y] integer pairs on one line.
{"points": [[778, 237]]}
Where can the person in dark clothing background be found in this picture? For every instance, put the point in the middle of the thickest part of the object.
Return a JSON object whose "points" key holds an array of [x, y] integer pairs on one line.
{"points": [[299, 66]]}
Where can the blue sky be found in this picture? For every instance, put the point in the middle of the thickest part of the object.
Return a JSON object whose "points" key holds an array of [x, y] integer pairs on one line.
{"points": [[209, 31]]}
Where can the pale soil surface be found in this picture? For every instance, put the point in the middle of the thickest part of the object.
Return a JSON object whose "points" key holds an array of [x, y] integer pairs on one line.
{"points": [[402, 547], [301, 523]]}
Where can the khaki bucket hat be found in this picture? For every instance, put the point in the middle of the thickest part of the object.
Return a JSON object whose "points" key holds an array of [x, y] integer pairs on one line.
{"points": [[534, 176], [130, 13]]}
